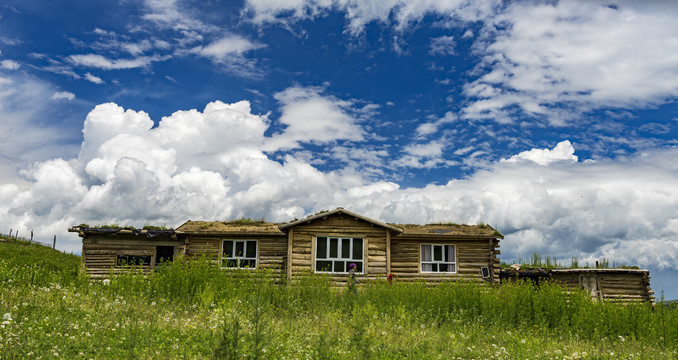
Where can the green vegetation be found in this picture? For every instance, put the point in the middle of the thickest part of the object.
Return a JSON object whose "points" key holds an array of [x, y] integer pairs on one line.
{"points": [[536, 260], [193, 310], [155, 227], [246, 221]]}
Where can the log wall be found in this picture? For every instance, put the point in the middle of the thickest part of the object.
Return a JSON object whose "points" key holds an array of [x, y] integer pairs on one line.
{"points": [[100, 253], [472, 255], [612, 285], [374, 246]]}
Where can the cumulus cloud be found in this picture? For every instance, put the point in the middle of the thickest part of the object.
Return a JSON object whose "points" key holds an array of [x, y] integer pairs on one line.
{"points": [[9, 65], [227, 46], [211, 165], [564, 151], [311, 117]]}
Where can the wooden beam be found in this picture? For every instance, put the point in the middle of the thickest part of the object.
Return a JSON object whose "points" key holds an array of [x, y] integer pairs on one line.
{"points": [[290, 236], [388, 251]]}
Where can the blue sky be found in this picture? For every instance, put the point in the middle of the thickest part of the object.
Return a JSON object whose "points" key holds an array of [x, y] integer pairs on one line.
{"points": [[555, 122]]}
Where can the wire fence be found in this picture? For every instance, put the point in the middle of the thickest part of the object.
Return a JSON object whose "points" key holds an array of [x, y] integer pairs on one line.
{"points": [[14, 237]]}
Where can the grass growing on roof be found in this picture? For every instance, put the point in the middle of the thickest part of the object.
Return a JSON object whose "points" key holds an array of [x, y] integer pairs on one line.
{"points": [[192, 309]]}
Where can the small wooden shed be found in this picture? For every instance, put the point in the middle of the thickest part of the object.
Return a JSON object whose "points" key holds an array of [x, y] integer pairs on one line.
{"points": [[623, 285], [106, 250]]}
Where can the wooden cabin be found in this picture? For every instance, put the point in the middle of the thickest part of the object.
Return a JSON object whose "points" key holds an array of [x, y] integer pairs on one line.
{"points": [[106, 250], [326, 243], [623, 285]]}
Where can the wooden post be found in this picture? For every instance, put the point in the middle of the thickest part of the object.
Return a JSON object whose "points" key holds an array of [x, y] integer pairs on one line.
{"points": [[290, 236], [31, 236], [491, 267], [54, 243], [388, 252], [10, 233]]}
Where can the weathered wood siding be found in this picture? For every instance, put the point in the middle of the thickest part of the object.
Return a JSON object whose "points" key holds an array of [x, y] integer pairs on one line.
{"points": [[471, 256], [608, 284], [100, 253], [271, 252], [374, 246]]}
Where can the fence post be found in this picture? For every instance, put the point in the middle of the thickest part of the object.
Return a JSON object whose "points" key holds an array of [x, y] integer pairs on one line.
{"points": [[31, 236], [10, 233], [54, 243]]}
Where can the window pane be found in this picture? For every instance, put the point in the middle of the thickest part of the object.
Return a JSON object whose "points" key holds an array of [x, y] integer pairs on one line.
{"points": [[426, 253], [452, 267], [228, 248], [248, 264], [345, 248], [443, 268], [239, 248], [323, 266], [357, 249], [251, 249], [437, 253], [339, 266], [321, 248], [434, 267], [334, 245], [449, 253], [426, 267], [359, 266], [231, 263]]}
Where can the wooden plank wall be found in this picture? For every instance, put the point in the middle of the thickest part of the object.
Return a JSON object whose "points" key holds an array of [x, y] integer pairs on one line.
{"points": [[374, 246], [272, 253], [100, 258], [613, 286], [471, 256]]}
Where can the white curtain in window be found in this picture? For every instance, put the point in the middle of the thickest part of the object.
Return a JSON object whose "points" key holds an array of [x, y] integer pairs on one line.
{"points": [[426, 253], [449, 253]]}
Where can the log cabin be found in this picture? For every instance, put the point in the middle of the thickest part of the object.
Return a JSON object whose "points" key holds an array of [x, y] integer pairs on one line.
{"points": [[326, 243]]}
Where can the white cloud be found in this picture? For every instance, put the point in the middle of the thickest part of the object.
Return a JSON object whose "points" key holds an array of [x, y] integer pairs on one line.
{"points": [[564, 151], [559, 60], [63, 95], [226, 46], [9, 65], [313, 118], [211, 164], [101, 62], [93, 78], [443, 45], [401, 13]]}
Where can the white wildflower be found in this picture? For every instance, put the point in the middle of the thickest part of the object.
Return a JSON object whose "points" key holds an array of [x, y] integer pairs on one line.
{"points": [[7, 316]]}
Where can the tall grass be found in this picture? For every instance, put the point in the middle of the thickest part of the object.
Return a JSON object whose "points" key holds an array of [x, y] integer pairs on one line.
{"points": [[192, 309]]}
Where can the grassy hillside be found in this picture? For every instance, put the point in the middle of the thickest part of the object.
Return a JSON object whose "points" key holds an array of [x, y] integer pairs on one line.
{"points": [[192, 310]]}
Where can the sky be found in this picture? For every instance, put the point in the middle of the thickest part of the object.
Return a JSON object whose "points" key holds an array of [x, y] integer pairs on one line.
{"points": [[554, 122]]}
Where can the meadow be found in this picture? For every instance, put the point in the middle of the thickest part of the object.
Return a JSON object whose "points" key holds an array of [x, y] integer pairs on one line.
{"points": [[190, 309]]}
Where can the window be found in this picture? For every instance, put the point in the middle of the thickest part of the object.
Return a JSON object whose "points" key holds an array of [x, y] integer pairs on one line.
{"points": [[164, 254], [239, 254], [438, 258], [133, 260], [335, 254]]}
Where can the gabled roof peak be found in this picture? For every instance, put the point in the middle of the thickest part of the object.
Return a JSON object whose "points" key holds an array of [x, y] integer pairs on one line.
{"points": [[339, 210]]}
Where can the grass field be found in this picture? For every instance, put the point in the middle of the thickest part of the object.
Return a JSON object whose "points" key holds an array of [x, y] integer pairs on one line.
{"points": [[191, 310]]}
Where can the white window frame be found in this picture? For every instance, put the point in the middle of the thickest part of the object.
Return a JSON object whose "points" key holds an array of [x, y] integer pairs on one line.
{"points": [[432, 261], [238, 258], [347, 261]]}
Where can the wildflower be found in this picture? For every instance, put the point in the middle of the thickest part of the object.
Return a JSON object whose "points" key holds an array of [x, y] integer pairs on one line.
{"points": [[621, 338], [7, 317], [522, 341]]}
